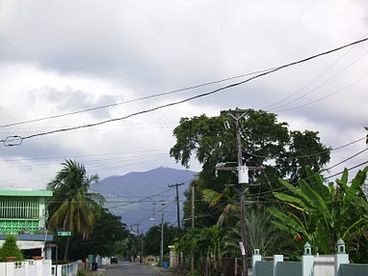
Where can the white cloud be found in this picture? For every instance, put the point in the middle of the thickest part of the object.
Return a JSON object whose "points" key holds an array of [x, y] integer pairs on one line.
{"points": [[57, 57]]}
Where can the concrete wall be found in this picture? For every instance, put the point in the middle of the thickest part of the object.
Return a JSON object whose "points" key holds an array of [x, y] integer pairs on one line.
{"points": [[353, 270], [264, 268], [289, 269]]}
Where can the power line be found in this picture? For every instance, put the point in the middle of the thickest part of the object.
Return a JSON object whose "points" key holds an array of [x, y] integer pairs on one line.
{"points": [[308, 84], [136, 99], [277, 107], [324, 97], [315, 153], [346, 159], [18, 139], [349, 169]]}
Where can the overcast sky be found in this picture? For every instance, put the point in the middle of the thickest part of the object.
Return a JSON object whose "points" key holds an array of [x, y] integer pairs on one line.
{"points": [[62, 56]]}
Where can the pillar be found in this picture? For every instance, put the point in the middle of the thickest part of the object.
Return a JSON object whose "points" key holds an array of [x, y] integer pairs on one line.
{"points": [[173, 257], [277, 259], [255, 258], [307, 260], [341, 257]]}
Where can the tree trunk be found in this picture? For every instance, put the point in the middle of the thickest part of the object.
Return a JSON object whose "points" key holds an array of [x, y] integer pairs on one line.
{"points": [[66, 249]]}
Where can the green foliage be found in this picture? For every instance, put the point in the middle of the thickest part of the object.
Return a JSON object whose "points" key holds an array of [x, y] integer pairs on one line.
{"points": [[72, 208], [203, 242], [10, 248], [265, 142], [260, 233], [107, 231], [152, 239], [321, 214]]}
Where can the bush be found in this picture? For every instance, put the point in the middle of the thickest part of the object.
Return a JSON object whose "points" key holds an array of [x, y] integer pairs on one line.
{"points": [[10, 248]]}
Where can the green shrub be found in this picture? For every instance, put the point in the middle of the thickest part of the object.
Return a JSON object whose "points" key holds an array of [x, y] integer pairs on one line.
{"points": [[10, 248]]}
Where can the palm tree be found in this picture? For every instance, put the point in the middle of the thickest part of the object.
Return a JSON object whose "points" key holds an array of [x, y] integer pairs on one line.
{"points": [[72, 207], [225, 202]]}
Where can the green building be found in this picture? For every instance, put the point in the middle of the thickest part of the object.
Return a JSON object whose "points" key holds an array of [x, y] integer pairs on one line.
{"points": [[24, 213]]}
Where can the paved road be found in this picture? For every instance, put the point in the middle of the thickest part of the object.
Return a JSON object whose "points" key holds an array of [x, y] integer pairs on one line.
{"points": [[131, 269]]}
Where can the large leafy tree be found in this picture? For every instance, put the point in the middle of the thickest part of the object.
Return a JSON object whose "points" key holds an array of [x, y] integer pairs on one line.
{"points": [[72, 208], [266, 143], [203, 242], [322, 213], [108, 230], [152, 239]]}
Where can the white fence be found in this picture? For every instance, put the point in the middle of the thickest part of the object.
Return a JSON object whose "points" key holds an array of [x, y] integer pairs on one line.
{"points": [[38, 268], [26, 268], [324, 265], [70, 269]]}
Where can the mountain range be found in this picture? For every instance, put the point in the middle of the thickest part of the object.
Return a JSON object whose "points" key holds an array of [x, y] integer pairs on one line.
{"points": [[139, 197]]}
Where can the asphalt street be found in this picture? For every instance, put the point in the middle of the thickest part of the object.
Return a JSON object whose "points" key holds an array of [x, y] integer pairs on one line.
{"points": [[131, 269]]}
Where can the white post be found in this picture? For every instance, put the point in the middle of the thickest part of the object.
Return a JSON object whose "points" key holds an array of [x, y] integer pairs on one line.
{"points": [[307, 265], [38, 267], [255, 258], [26, 265], [277, 259], [10, 268], [341, 257], [307, 260]]}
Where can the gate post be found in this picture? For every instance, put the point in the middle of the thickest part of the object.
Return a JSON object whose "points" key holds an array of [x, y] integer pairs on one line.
{"points": [[341, 257], [307, 260], [255, 258], [276, 259]]}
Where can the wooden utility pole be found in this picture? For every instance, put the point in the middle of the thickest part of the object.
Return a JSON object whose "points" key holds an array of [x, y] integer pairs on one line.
{"points": [[177, 201], [162, 233], [193, 210], [140, 235], [237, 115]]}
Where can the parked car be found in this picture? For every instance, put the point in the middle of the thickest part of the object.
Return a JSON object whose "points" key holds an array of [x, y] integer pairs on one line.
{"points": [[113, 260]]}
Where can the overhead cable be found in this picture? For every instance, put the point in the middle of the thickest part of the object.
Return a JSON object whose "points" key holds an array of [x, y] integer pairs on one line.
{"points": [[18, 139]]}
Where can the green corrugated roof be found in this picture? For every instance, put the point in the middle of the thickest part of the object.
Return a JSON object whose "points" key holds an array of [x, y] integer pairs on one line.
{"points": [[39, 193]]}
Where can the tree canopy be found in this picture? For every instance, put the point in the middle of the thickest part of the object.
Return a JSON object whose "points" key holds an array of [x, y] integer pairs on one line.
{"points": [[266, 143], [152, 239], [107, 231]]}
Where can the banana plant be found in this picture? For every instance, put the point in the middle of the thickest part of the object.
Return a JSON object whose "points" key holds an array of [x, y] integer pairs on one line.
{"points": [[322, 213]]}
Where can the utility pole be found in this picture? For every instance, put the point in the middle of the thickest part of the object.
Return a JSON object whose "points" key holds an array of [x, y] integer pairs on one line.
{"points": [[162, 232], [237, 115], [177, 212], [141, 238], [177, 201], [193, 210], [243, 179]]}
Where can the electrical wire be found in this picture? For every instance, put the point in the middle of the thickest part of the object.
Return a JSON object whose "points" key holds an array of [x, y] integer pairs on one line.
{"points": [[324, 97], [320, 85], [4, 141], [137, 99], [277, 103], [349, 169], [316, 153], [345, 160]]}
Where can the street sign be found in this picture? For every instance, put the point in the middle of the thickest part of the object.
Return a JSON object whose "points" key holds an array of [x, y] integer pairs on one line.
{"points": [[64, 233]]}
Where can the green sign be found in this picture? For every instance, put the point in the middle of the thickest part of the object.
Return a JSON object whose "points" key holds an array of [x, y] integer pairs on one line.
{"points": [[64, 233]]}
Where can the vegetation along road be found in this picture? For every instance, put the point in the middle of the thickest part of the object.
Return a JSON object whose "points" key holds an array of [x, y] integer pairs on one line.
{"points": [[131, 269]]}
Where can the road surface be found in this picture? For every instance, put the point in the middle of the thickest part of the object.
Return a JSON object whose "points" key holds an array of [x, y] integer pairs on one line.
{"points": [[131, 269]]}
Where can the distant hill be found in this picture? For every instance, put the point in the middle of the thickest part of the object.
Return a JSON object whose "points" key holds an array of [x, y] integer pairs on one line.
{"points": [[136, 196]]}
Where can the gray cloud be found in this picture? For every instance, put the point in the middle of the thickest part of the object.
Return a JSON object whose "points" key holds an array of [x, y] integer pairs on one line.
{"points": [[134, 48]]}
